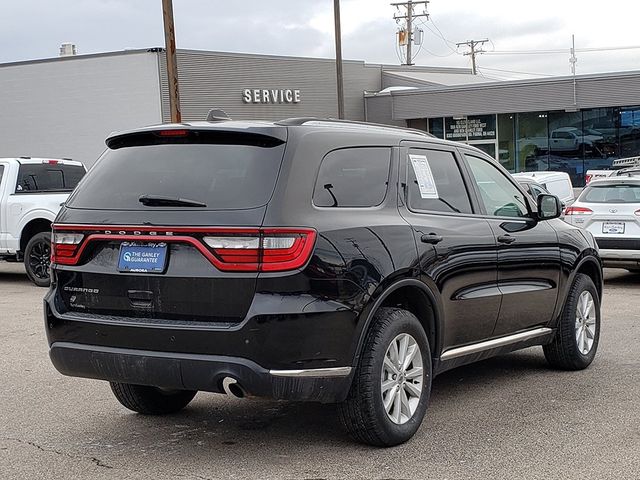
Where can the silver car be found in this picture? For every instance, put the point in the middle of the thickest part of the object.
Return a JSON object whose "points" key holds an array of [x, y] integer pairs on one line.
{"points": [[610, 209]]}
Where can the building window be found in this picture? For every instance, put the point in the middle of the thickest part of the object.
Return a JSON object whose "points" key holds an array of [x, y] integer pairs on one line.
{"points": [[506, 141], [436, 127], [532, 141], [568, 144]]}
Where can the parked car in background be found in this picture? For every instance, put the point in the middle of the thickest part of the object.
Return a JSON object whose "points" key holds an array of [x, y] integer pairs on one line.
{"points": [[532, 187], [610, 210], [556, 183], [31, 193], [315, 260], [618, 164]]}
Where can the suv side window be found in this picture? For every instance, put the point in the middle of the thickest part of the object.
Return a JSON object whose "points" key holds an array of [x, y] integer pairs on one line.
{"points": [[353, 177], [501, 198], [445, 190], [48, 177]]}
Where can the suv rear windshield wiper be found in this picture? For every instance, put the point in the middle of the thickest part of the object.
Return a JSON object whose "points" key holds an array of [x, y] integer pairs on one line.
{"points": [[160, 201]]}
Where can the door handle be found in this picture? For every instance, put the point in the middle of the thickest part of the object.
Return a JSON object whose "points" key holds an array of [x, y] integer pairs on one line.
{"points": [[506, 239], [431, 238]]}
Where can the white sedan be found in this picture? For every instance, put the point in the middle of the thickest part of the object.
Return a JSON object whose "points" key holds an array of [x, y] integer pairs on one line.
{"points": [[610, 209]]}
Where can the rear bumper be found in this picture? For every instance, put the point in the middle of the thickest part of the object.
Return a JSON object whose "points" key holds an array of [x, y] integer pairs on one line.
{"points": [[286, 354], [619, 258], [198, 372]]}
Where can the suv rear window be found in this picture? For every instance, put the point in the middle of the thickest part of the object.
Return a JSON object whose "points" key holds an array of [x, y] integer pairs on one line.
{"points": [[47, 177], [353, 177], [222, 176], [622, 193]]}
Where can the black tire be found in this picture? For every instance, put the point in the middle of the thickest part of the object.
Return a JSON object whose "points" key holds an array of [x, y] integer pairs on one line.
{"points": [[563, 352], [363, 413], [151, 400], [37, 259]]}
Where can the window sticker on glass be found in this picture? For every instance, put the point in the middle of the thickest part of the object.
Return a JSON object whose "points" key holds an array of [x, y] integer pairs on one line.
{"points": [[424, 177]]}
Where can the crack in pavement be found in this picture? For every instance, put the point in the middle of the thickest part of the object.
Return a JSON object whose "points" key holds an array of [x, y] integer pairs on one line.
{"points": [[95, 460]]}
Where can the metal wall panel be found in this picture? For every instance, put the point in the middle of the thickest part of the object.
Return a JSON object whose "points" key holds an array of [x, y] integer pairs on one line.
{"points": [[379, 110], [216, 80], [66, 107], [608, 90]]}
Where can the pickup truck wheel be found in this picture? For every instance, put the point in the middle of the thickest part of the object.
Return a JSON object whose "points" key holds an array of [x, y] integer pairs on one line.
{"points": [[37, 259], [390, 390], [151, 400], [576, 341]]}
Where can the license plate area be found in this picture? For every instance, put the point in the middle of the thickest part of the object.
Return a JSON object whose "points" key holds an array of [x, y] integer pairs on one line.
{"points": [[613, 227], [140, 257]]}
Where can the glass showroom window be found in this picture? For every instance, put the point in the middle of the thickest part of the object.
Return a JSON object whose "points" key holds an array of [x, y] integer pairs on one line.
{"points": [[601, 123], [532, 141], [506, 141], [629, 132], [568, 144], [436, 127]]}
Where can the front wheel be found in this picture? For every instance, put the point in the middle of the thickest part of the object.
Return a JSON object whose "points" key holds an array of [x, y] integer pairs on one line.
{"points": [[576, 341], [390, 391], [151, 400], [37, 259]]}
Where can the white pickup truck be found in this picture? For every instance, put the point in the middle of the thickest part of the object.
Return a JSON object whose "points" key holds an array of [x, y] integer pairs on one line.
{"points": [[616, 165], [31, 192]]}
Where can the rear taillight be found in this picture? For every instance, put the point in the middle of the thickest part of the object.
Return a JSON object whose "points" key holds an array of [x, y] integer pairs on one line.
{"points": [[64, 246], [265, 250], [228, 249], [587, 178], [578, 211]]}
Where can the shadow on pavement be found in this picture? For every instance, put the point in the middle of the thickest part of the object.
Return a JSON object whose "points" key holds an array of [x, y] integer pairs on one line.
{"points": [[619, 277], [13, 273], [246, 427]]}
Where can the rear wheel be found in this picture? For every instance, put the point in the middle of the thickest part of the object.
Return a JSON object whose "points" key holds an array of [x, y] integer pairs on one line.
{"points": [[151, 400], [390, 391], [576, 341], [37, 259]]}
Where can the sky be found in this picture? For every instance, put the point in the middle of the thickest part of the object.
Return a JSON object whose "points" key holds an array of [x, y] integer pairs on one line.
{"points": [[33, 29]]}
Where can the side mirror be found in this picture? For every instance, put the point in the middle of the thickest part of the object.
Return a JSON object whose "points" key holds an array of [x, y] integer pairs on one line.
{"points": [[549, 206]]}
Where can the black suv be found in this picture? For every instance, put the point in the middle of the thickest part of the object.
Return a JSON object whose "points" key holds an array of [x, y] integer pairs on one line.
{"points": [[309, 260]]}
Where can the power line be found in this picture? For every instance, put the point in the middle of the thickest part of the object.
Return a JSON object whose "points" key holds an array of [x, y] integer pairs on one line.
{"points": [[446, 42], [561, 51], [517, 72]]}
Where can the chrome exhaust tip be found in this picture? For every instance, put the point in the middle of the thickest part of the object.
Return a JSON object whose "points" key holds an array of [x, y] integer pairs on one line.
{"points": [[232, 388]]}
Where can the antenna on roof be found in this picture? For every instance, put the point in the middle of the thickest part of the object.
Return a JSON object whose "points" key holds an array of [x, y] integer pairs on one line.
{"points": [[217, 115]]}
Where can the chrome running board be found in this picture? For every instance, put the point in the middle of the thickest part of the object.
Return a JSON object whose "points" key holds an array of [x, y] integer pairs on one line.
{"points": [[494, 343]]}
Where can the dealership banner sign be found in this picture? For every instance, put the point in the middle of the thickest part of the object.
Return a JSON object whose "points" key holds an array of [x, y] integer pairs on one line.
{"points": [[270, 96], [476, 127]]}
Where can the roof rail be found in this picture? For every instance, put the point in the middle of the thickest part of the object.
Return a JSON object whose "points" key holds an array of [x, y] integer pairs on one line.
{"points": [[296, 121]]}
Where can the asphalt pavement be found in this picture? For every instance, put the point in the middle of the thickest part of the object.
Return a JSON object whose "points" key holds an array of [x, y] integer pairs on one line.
{"points": [[510, 417]]}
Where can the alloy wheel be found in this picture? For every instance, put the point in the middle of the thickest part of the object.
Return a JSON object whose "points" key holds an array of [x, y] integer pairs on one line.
{"points": [[402, 378], [39, 259], [585, 323]]}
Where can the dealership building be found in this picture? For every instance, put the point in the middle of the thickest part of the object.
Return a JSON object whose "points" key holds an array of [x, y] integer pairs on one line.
{"points": [[66, 106]]}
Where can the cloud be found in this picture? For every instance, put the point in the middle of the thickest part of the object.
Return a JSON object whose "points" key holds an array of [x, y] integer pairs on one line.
{"points": [[31, 29]]}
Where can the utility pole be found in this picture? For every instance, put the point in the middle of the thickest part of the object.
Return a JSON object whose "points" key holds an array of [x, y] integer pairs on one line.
{"points": [[339, 79], [472, 44], [172, 64], [573, 60], [409, 17]]}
